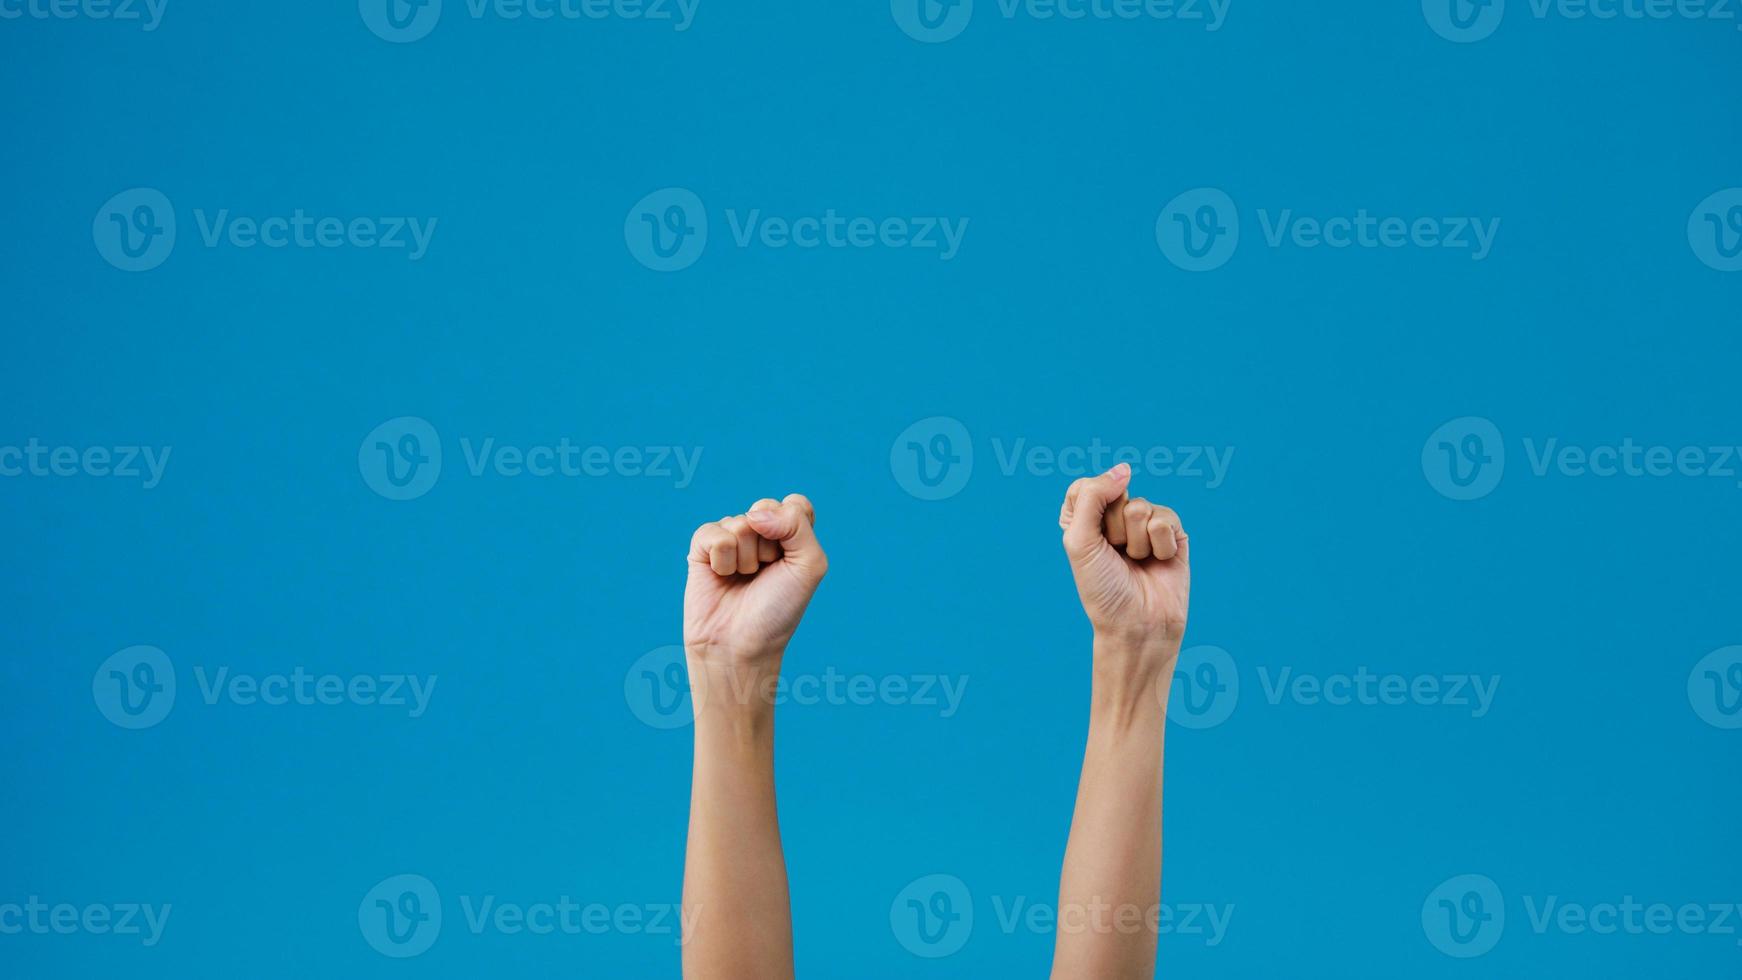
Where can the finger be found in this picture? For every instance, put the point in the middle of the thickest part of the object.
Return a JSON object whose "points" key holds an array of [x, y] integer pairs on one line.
{"points": [[766, 550], [714, 546], [799, 499], [1163, 533], [1114, 524], [1137, 514], [790, 526], [745, 543], [1086, 508]]}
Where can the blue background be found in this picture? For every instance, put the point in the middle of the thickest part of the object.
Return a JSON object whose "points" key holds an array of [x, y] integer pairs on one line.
{"points": [[1061, 321]]}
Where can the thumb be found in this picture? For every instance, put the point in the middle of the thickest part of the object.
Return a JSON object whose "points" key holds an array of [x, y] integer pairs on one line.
{"points": [[1086, 508], [790, 526]]}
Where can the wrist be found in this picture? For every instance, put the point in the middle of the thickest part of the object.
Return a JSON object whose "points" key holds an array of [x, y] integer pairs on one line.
{"points": [[733, 684], [1132, 677], [1135, 658]]}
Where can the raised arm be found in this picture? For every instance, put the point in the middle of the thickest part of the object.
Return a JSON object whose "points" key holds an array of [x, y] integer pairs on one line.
{"points": [[1131, 563], [750, 579]]}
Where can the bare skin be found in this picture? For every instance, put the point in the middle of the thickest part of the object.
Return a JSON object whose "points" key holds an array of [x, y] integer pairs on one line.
{"points": [[1131, 562], [750, 578]]}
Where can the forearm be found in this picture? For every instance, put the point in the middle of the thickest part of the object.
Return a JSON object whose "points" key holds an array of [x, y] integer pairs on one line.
{"points": [[1110, 889], [735, 891]]}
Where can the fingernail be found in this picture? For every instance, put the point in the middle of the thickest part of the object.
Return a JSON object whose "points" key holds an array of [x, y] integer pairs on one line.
{"points": [[762, 518], [1120, 471]]}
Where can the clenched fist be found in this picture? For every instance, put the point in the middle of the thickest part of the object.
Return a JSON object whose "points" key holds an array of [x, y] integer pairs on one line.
{"points": [[750, 578], [1132, 565]]}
